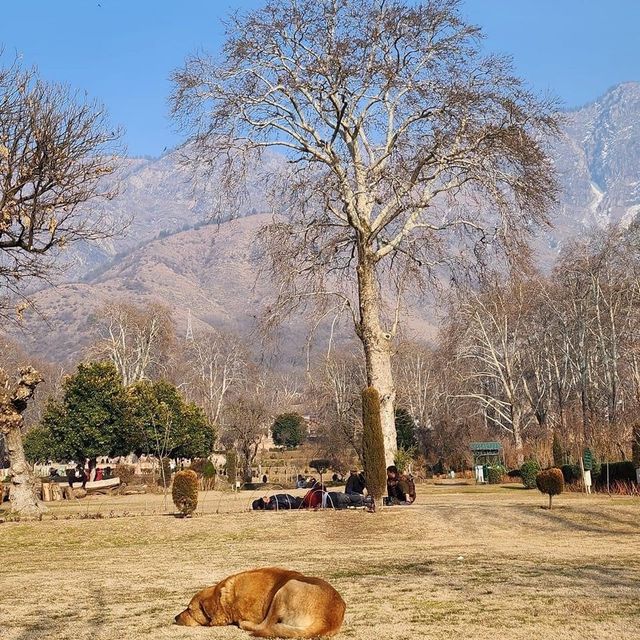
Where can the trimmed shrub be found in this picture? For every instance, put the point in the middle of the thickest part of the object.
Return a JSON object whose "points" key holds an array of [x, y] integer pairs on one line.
{"points": [[321, 465], [232, 466], [208, 470], [571, 473], [375, 470], [185, 491], [495, 474], [551, 482], [618, 472], [528, 471]]}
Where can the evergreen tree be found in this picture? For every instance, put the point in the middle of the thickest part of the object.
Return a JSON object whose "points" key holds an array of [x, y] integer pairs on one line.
{"points": [[163, 424], [91, 419], [289, 430], [405, 429]]}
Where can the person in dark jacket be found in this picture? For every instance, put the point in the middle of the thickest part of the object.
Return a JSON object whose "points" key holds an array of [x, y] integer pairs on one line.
{"points": [[355, 482], [400, 488], [277, 502]]}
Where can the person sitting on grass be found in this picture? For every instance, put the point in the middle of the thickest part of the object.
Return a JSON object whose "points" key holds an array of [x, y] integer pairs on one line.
{"points": [[77, 475], [355, 483], [400, 488]]}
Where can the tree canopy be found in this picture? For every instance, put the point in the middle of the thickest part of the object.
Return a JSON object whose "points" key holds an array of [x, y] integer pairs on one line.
{"points": [[97, 415], [91, 418], [289, 430], [55, 149], [163, 424]]}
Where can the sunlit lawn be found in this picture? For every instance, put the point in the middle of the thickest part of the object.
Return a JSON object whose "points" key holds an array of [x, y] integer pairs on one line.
{"points": [[461, 563]]}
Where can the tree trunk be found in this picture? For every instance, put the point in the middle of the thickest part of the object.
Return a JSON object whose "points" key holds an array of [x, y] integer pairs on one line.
{"points": [[517, 435], [247, 459], [377, 350], [13, 402]]}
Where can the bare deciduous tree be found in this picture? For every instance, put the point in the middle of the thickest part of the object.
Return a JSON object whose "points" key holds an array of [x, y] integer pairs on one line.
{"points": [[54, 150], [246, 423], [135, 338], [216, 363], [403, 140]]}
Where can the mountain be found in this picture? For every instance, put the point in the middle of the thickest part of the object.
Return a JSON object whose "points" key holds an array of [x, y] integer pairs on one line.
{"points": [[157, 197], [170, 252], [597, 162]]}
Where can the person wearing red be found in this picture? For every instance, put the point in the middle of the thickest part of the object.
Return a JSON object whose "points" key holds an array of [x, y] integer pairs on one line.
{"points": [[313, 497]]}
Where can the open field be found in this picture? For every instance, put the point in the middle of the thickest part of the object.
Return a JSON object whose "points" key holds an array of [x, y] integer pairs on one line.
{"points": [[459, 564]]}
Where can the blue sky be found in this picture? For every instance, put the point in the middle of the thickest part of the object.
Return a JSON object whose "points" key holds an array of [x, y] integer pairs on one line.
{"points": [[122, 51]]}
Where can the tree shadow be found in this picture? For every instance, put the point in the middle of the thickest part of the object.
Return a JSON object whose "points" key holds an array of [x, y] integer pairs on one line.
{"points": [[58, 625], [558, 517]]}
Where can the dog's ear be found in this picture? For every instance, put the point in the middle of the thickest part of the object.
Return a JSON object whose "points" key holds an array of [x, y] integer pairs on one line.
{"points": [[212, 606], [197, 609]]}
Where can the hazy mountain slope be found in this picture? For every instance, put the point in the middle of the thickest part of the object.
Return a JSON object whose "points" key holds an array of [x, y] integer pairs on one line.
{"points": [[213, 270]]}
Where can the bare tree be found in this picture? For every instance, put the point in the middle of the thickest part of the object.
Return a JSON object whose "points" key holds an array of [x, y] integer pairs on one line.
{"points": [[415, 373], [54, 153], [135, 338], [216, 364], [55, 149], [246, 422], [336, 394], [401, 138], [493, 344]]}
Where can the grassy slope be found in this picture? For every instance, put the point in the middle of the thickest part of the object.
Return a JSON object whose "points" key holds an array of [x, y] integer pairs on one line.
{"points": [[455, 565]]}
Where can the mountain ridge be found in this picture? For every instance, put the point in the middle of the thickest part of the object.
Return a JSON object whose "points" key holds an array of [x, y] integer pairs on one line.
{"points": [[174, 254]]}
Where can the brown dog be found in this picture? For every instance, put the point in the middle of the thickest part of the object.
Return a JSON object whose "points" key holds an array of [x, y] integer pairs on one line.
{"points": [[269, 602]]}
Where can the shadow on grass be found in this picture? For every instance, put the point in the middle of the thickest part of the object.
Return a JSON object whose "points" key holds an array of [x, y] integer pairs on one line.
{"points": [[95, 617], [595, 577], [391, 569], [560, 517]]}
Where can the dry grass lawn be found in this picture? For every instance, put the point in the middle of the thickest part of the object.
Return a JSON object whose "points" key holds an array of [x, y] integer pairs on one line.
{"points": [[463, 564]]}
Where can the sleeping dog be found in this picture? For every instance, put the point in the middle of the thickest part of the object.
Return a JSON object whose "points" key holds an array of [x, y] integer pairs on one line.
{"points": [[269, 602]]}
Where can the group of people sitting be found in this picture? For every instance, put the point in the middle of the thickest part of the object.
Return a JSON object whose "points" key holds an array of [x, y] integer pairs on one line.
{"points": [[80, 474], [400, 490]]}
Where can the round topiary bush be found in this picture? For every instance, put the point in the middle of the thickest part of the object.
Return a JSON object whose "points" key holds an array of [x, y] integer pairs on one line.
{"points": [[528, 471], [495, 474], [551, 482], [185, 491]]}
